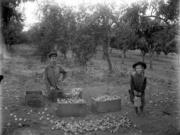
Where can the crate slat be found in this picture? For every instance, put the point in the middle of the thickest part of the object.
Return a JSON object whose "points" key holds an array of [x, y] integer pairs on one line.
{"points": [[34, 98], [66, 110], [106, 106]]}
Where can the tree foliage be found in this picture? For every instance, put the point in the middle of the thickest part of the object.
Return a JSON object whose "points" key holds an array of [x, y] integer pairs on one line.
{"points": [[11, 22], [130, 27], [53, 31], [153, 28]]}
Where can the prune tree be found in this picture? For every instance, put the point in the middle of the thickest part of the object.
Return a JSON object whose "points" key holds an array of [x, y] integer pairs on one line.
{"points": [[11, 22], [54, 31], [148, 26]]}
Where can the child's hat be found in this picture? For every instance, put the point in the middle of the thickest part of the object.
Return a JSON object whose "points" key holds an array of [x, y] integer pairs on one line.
{"points": [[139, 63], [52, 53]]}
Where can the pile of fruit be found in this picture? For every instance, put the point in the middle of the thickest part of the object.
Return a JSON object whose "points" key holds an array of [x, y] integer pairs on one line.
{"points": [[106, 98], [76, 91], [108, 122]]}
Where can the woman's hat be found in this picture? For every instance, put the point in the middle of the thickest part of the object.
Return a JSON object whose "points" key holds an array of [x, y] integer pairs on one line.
{"points": [[139, 63], [52, 53]]}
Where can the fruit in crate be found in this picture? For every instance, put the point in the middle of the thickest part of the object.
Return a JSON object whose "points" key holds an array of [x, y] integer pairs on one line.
{"points": [[70, 101], [105, 98], [76, 91]]}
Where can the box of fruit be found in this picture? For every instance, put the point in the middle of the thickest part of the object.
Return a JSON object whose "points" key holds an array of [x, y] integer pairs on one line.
{"points": [[75, 93], [106, 103], [71, 107]]}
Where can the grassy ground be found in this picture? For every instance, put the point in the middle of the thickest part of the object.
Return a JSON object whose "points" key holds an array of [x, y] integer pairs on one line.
{"points": [[23, 72]]}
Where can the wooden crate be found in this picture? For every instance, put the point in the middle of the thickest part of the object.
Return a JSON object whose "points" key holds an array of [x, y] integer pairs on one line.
{"points": [[53, 95], [107, 106], [73, 109], [34, 98]]}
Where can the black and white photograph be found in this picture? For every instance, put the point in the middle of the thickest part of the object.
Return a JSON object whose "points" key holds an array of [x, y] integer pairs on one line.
{"points": [[89, 67]]}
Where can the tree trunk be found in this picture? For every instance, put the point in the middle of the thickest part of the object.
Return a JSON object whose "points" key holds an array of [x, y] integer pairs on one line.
{"points": [[65, 56], [143, 55], [151, 59], [103, 53], [110, 50], [106, 55], [109, 63], [123, 55], [107, 42], [9, 48], [157, 54]]}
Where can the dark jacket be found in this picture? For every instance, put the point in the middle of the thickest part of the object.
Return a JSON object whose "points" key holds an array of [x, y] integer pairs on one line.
{"points": [[138, 83]]}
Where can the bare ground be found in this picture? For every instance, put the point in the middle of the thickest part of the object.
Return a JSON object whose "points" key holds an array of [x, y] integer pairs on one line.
{"points": [[23, 72]]}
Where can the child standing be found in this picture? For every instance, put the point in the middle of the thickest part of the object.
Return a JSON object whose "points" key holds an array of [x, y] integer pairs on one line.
{"points": [[138, 86], [52, 75]]}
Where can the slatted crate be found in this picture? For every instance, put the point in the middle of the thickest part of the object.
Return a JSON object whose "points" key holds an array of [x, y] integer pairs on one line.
{"points": [[105, 106], [34, 98], [71, 109]]}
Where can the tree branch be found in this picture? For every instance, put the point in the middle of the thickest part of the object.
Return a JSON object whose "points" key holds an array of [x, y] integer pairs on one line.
{"points": [[158, 18], [171, 41]]}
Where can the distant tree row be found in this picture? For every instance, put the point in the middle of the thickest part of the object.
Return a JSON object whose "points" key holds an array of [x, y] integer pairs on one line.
{"points": [[154, 33], [151, 27]]}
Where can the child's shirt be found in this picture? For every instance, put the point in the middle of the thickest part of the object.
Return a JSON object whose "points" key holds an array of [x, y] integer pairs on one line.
{"points": [[138, 83]]}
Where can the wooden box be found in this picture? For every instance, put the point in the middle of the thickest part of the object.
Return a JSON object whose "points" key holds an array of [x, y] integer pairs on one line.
{"points": [[34, 98], [71, 109], [106, 106]]}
